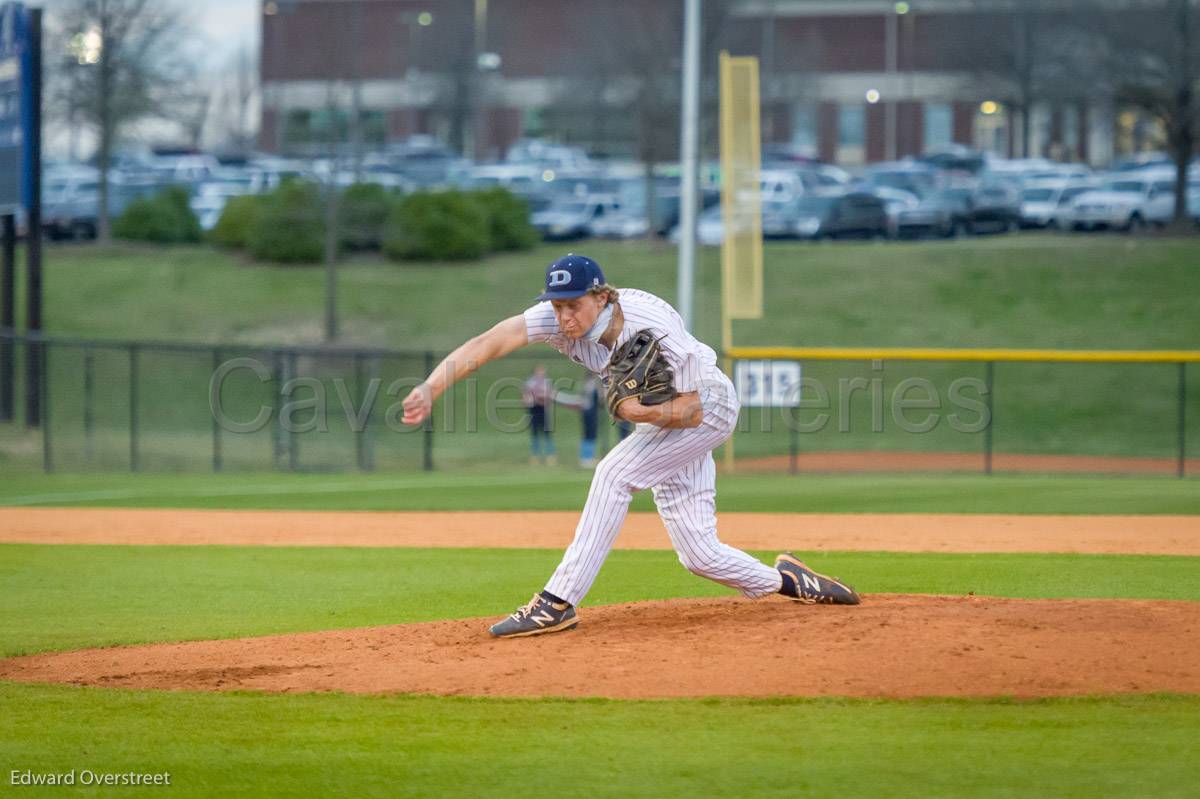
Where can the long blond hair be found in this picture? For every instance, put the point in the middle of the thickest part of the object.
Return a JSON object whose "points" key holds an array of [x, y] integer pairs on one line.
{"points": [[605, 290]]}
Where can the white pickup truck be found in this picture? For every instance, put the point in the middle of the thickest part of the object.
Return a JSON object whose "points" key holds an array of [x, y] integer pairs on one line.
{"points": [[1128, 202]]}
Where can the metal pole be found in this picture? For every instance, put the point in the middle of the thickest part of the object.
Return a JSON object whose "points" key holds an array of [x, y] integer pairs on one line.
{"points": [[89, 383], [1181, 469], [47, 449], [689, 124], [276, 395], [989, 382], [216, 427], [293, 446], [891, 63], [427, 426], [133, 407], [794, 447], [33, 253], [8, 315], [359, 433]]}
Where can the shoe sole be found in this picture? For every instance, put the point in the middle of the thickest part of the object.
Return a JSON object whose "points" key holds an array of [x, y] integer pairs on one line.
{"points": [[786, 558], [560, 627]]}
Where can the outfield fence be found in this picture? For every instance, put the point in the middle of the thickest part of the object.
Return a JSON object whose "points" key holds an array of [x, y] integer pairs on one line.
{"points": [[95, 405]]}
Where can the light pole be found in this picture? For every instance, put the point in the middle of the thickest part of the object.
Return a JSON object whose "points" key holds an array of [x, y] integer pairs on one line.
{"points": [[413, 21], [689, 123]]}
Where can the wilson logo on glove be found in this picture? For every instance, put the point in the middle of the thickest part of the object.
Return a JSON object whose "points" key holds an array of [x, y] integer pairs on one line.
{"points": [[639, 369]]}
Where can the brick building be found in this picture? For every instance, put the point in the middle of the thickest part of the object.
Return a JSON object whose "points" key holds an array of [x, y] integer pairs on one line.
{"points": [[852, 81]]}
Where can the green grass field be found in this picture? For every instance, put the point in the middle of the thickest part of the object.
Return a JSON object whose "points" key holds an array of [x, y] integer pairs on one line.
{"points": [[64, 597], [1014, 291], [61, 597], [526, 488], [1024, 291]]}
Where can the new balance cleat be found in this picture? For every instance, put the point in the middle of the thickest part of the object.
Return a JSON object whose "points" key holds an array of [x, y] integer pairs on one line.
{"points": [[538, 617], [802, 584]]}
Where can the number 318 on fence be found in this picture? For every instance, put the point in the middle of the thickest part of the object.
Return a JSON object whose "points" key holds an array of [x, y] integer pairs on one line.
{"points": [[768, 384]]}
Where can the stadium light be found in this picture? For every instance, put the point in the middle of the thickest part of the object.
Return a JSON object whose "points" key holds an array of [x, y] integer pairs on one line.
{"points": [[86, 47]]}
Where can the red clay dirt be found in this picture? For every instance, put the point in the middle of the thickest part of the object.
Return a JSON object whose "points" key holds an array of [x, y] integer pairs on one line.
{"points": [[911, 532], [890, 646]]}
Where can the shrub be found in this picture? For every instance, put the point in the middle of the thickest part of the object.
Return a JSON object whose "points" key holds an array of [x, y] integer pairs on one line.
{"points": [[289, 226], [508, 219], [164, 218], [436, 226], [236, 224], [362, 212]]}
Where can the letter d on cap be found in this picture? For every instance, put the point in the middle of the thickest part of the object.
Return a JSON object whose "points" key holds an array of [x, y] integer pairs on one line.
{"points": [[559, 277]]}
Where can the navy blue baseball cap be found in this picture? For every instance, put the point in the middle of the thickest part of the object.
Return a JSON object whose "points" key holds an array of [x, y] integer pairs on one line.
{"points": [[571, 276]]}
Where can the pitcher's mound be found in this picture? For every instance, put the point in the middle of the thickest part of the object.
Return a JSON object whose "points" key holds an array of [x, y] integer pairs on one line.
{"points": [[890, 646]]}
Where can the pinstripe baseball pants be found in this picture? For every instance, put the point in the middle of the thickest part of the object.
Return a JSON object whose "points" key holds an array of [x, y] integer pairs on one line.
{"points": [[678, 465]]}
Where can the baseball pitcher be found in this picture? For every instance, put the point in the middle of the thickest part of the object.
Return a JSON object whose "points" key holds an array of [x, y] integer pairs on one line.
{"points": [[658, 376]]}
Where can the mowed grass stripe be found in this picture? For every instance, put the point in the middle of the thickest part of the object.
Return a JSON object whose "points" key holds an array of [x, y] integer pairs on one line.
{"points": [[68, 596], [566, 490], [333, 744]]}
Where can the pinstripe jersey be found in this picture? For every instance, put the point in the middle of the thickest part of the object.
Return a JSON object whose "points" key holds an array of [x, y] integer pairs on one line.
{"points": [[691, 360], [676, 463]]}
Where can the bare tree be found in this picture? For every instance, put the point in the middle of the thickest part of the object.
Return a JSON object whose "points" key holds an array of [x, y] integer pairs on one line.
{"points": [[1024, 54], [1152, 57], [637, 47], [122, 62], [239, 87]]}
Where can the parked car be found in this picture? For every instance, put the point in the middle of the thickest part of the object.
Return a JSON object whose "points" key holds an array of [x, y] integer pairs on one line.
{"points": [[1042, 202], [913, 177], [572, 218], [994, 207], [210, 198], [941, 214], [962, 210], [71, 201], [780, 185], [1125, 203], [956, 158], [630, 220], [895, 201], [710, 228], [857, 214]]}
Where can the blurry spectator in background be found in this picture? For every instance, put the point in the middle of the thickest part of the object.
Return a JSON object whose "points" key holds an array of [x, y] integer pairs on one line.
{"points": [[537, 394], [588, 403], [589, 409]]}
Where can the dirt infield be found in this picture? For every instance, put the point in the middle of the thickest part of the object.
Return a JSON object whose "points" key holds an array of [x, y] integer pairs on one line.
{"points": [[917, 532], [891, 646]]}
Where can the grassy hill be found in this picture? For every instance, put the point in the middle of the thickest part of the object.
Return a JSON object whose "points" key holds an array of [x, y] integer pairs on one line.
{"points": [[1042, 291], [1023, 291]]}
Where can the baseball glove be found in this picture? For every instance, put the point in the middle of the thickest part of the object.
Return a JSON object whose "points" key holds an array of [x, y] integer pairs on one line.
{"points": [[638, 369]]}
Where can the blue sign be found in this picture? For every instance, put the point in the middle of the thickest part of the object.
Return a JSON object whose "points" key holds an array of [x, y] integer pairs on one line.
{"points": [[16, 108]]}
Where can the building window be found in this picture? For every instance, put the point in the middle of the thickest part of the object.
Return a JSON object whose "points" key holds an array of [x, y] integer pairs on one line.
{"points": [[325, 127], [939, 125], [852, 125], [1070, 132], [805, 134]]}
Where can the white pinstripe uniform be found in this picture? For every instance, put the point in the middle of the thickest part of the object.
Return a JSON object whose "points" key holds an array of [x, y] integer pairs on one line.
{"points": [[676, 463]]}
